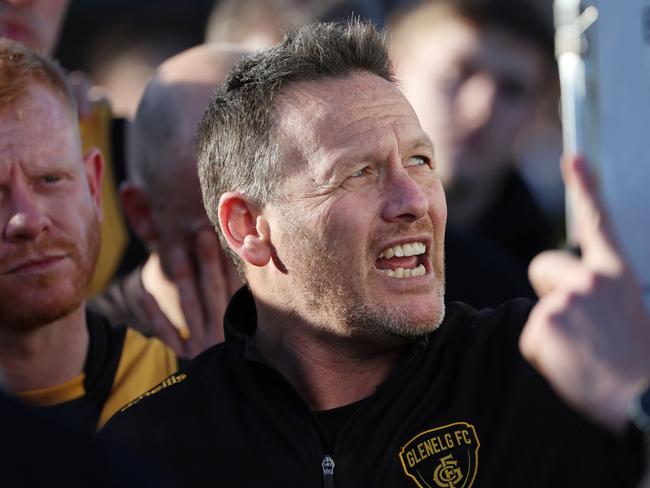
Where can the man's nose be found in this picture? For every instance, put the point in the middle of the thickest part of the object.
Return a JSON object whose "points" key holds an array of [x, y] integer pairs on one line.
{"points": [[406, 199], [475, 102], [27, 220]]}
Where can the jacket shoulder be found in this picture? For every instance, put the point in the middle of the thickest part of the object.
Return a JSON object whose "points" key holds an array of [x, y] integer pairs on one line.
{"points": [[173, 395], [508, 317]]}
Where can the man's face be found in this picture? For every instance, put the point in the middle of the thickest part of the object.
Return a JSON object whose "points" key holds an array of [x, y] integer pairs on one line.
{"points": [[361, 185], [472, 90], [49, 212], [34, 23], [179, 214]]}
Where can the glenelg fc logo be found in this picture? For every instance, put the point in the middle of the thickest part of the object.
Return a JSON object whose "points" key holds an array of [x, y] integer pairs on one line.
{"points": [[444, 457]]}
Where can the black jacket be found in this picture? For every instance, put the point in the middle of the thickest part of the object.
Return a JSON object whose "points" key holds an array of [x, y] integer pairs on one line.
{"points": [[462, 408]]}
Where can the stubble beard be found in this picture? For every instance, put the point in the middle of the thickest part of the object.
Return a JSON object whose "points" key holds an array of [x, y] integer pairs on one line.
{"points": [[19, 313], [323, 279]]}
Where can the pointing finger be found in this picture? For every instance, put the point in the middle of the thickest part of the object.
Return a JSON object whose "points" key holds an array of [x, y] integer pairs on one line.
{"points": [[594, 232]]}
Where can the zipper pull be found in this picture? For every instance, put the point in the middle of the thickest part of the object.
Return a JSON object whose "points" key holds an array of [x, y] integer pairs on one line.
{"points": [[328, 471]]}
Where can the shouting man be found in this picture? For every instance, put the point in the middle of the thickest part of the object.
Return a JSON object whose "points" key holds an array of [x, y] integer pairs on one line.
{"points": [[341, 366]]}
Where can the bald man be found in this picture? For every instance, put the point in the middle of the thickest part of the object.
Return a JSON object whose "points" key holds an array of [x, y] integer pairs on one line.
{"points": [[170, 295]]}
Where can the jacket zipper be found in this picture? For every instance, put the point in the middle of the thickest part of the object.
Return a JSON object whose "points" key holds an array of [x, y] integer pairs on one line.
{"points": [[328, 471]]}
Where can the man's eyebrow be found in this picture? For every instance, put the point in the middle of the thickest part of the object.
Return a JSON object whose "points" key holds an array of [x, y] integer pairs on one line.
{"points": [[423, 142], [336, 164]]}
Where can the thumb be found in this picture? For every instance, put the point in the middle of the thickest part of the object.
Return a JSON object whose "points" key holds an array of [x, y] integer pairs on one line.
{"points": [[552, 269]]}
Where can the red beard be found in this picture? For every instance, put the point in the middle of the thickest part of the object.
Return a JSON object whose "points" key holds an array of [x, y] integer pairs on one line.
{"points": [[31, 301]]}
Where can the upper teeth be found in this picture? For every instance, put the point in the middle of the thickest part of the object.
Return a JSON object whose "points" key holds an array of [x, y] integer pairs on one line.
{"points": [[401, 250]]}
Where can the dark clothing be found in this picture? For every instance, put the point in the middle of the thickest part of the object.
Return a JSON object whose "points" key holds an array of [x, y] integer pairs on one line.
{"points": [[462, 406], [38, 451], [479, 271], [488, 264], [516, 222]]}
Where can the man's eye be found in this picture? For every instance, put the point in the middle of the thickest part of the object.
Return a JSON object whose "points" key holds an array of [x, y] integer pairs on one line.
{"points": [[50, 178], [418, 161], [362, 172]]}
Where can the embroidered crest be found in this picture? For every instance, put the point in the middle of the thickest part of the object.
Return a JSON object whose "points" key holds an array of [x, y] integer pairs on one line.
{"points": [[444, 457]]}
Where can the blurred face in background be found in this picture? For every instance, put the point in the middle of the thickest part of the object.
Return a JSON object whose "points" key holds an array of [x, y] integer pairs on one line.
{"points": [[472, 90], [169, 211], [178, 215], [33, 23]]}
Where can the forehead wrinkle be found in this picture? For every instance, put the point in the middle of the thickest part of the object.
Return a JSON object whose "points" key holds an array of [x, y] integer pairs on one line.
{"points": [[347, 149], [343, 143], [323, 136], [349, 131]]}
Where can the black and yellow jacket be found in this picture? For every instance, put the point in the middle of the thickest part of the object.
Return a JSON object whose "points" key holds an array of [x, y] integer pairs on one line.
{"points": [[461, 409], [121, 364]]}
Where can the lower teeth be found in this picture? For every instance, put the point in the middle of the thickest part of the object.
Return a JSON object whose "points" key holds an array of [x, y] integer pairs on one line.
{"points": [[405, 273]]}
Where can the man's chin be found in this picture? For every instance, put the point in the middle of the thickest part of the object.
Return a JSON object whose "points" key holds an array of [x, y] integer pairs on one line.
{"points": [[30, 320], [396, 325], [30, 311]]}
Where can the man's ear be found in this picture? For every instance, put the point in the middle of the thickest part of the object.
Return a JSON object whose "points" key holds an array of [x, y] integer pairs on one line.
{"points": [[246, 230], [94, 168], [137, 209]]}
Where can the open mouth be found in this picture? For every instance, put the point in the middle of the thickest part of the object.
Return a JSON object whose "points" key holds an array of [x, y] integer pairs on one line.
{"points": [[403, 260]]}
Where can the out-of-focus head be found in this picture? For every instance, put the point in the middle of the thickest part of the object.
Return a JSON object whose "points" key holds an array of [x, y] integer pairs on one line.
{"points": [[125, 55], [163, 197], [473, 71], [34, 23], [257, 25], [49, 194], [322, 182]]}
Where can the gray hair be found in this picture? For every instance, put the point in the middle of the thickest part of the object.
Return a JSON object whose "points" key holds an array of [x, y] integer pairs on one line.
{"points": [[238, 146]]}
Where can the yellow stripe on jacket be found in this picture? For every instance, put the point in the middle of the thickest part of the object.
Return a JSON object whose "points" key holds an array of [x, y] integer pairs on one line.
{"points": [[144, 363]]}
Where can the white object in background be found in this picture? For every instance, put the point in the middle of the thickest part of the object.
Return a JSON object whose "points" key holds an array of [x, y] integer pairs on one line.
{"points": [[603, 49]]}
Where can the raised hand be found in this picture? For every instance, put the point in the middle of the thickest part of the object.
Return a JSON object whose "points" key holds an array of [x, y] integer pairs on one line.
{"points": [[204, 289], [589, 335]]}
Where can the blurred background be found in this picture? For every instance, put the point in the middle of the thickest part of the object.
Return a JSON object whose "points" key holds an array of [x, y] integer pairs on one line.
{"points": [[118, 43]]}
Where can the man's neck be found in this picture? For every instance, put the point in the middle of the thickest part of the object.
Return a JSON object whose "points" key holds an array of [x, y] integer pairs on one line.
{"points": [[46, 356], [329, 371]]}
